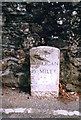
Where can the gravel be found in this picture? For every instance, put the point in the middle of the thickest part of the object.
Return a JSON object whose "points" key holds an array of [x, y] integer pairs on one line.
{"points": [[41, 106]]}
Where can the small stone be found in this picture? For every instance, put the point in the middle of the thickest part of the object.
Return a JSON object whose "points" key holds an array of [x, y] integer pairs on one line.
{"points": [[18, 8], [14, 24], [27, 97], [70, 87], [29, 110], [21, 30], [19, 110], [74, 13], [20, 54], [10, 9], [17, 56], [4, 65], [1, 110], [7, 111], [71, 113], [62, 112], [13, 88], [72, 93], [26, 31], [76, 112]]}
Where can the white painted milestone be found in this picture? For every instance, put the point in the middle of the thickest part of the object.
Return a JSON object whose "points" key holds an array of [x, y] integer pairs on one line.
{"points": [[44, 69]]}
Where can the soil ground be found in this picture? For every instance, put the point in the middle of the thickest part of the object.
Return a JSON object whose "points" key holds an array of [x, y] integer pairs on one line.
{"points": [[42, 106]]}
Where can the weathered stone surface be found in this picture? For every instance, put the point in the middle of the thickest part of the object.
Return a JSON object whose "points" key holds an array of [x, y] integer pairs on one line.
{"points": [[20, 54], [70, 87], [4, 65], [44, 63], [10, 80]]}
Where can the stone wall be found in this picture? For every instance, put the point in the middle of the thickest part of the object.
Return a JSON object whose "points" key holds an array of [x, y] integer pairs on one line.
{"points": [[27, 25]]}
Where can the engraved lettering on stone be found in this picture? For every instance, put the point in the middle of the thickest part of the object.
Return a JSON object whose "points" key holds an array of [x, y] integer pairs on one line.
{"points": [[44, 68]]}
